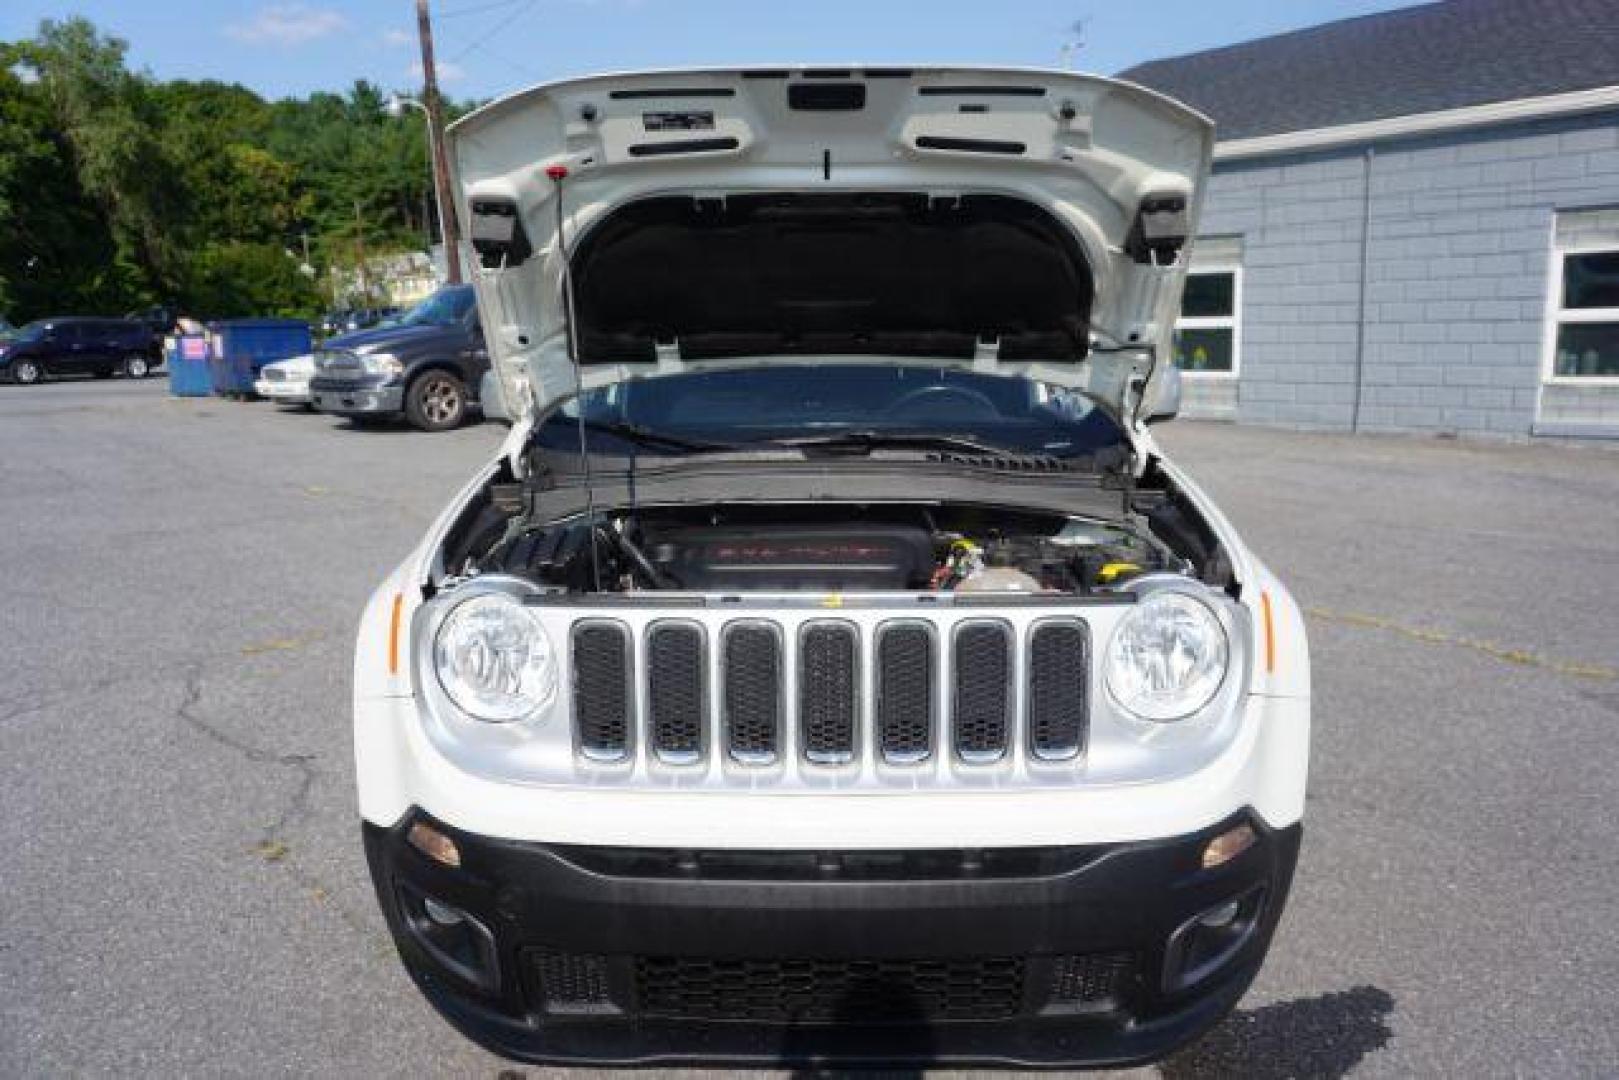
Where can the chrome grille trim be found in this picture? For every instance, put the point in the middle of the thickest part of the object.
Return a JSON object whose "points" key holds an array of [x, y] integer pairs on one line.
{"points": [[545, 750]]}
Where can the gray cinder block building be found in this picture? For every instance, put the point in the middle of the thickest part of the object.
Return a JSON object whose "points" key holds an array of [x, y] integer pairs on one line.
{"points": [[1413, 223]]}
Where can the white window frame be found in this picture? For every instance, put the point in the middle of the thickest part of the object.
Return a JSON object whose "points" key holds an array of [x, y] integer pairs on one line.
{"points": [[1557, 316], [1232, 322]]}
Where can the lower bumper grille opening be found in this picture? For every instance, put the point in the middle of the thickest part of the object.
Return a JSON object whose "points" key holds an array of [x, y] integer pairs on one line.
{"points": [[572, 982], [829, 991], [1089, 979]]}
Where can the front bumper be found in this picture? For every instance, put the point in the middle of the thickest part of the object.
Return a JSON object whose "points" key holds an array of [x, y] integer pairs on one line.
{"points": [[356, 398], [1043, 957], [283, 393]]}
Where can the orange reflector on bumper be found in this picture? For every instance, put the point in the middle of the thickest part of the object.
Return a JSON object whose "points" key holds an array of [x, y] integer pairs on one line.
{"points": [[393, 634], [1228, 845], [434, 844], [1270, 633]]}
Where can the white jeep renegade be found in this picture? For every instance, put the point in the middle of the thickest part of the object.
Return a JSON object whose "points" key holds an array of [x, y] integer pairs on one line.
{"points": [[830, 668]]}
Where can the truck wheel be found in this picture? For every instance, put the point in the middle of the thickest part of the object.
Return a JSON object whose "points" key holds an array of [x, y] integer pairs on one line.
{"points": [[137, 367], [26, 372], [437, 401]]}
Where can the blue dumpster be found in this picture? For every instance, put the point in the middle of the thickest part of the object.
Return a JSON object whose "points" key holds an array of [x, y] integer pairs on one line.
{"points": [[242, 346], [187, 358]]}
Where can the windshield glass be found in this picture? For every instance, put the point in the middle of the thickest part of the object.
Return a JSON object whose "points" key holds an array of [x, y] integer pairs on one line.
{"points": [[34, 331], [876, 404], [447, 307]]}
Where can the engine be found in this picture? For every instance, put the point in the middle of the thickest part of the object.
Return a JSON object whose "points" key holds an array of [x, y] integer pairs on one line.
{"points": [[829, 548]]}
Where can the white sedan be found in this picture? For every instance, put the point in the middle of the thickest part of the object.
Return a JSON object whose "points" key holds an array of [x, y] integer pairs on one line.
{"points": [[286, 382]]}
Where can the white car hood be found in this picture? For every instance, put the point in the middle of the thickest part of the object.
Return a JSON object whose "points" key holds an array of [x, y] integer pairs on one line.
{"points": [[296, 365], [1118, 168]]}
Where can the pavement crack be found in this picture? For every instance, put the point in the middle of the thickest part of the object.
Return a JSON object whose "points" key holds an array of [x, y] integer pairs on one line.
{"points": [[48, 698], [302, 764], [1504, 653], [272, 846]]}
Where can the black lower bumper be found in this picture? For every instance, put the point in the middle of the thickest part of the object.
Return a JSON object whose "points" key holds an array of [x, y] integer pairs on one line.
{"points": [[1041, 957]]}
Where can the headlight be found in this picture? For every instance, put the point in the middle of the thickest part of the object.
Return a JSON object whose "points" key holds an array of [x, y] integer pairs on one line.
{"points": [[1167, 658], [381, 363], [494, 659]]}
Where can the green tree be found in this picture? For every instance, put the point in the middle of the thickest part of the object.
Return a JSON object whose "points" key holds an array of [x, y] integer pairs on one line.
{"points": [[119, 190], [56, 253], [236, 279], [107, 122]]}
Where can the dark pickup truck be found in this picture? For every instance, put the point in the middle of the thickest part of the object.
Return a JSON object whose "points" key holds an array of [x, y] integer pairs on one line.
{"points": [[427, 366]]}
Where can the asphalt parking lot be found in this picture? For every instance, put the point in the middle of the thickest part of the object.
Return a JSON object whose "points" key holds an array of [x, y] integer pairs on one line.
{"points": [[183, 890]]}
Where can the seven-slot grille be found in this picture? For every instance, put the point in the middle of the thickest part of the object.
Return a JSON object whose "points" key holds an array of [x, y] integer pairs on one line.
{"points": [[830, 702]]}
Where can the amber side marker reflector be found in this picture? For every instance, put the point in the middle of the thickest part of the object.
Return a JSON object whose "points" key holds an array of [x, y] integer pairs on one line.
{"points": [[393, 634], [1228, 845], [1270, 633], [435, 845]]}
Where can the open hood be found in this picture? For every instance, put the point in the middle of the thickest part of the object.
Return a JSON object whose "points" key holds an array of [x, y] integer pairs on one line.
{"points": [[1027, 222]]}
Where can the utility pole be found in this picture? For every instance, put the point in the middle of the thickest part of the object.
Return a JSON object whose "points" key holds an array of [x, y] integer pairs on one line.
{"points": [[441, 167]]}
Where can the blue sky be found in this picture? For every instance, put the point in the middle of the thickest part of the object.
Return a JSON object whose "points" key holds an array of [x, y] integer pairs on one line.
{"points": [[490, 47]]}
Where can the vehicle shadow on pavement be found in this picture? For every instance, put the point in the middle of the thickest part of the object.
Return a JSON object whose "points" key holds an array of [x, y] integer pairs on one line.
{"points": [[1323, 1036]]}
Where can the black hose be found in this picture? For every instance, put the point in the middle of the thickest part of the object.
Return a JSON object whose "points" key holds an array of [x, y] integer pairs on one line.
{"points": [[638, 557]]}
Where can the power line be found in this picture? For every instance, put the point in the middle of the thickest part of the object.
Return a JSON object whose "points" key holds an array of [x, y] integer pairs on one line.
{"points": [[476, 9], [531, 74], [528, 6]]}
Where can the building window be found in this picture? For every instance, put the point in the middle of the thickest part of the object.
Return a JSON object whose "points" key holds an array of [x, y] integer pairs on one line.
{"points": [[1584, 332], [1208, 334]]}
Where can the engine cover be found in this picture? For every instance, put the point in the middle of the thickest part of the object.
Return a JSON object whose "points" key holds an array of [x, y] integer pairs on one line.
{"points": [[796, 557]]}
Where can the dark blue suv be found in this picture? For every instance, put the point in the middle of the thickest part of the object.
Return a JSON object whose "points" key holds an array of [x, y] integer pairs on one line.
{"points": [[78, 346]]}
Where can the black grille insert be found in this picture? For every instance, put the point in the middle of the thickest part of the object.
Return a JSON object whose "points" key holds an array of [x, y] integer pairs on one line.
{"points": [[1059, 666], [601, 688], [571, 982], [675, 698], [828, 690], [827, 991], [1089, 979], [752, 691], [905, 691], [983, 684]]}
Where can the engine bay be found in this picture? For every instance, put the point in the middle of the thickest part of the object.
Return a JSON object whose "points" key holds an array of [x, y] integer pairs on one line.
{"points": [[820, 547]]}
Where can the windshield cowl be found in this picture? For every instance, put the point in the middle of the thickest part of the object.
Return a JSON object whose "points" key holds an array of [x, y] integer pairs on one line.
{"points": [[798, 412]]}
